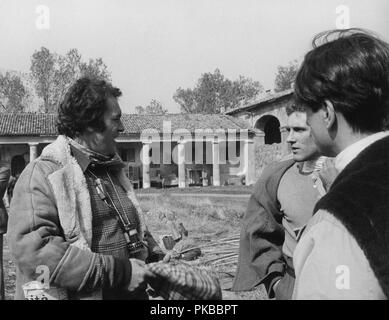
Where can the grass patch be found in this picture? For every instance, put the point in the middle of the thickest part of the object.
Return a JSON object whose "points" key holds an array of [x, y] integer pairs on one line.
{"points": [[200, 216], [207, 219], [209, 189]]}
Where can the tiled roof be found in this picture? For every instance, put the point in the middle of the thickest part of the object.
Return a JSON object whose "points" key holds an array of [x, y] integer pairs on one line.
{"points": [[262, 101], [40, 124], [137, 123], [27, 124]]}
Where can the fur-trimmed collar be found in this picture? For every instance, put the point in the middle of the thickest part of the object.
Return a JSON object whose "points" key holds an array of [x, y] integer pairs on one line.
{"points": [[73, 200], [72, 196]]}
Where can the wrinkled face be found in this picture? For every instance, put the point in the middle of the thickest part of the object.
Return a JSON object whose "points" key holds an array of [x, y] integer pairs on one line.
{"points": [[104, 142], [300, 138]]}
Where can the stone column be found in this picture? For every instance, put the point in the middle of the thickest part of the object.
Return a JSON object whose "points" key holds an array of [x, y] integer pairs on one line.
{"points": [[146, 165], [215, 163], [284, 134], [33, 150], [249, 161], [181, 164], [259, 137]]}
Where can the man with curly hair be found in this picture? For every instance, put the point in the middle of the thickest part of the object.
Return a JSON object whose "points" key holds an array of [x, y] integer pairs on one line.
{"points": [[74, 211]]}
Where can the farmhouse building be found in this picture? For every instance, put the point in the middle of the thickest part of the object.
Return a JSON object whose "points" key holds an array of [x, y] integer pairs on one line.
{"points": [[166, 150], [267, 117]]}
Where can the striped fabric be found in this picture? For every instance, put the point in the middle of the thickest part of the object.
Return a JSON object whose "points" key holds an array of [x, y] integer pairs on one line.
{"points": [[177, 281]]}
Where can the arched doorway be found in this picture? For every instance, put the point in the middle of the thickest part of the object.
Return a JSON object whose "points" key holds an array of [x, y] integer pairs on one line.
{"points": [[17, 165], [270, 125]]}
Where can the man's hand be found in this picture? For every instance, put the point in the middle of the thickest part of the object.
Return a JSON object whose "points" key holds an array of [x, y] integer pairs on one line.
{"points": [[138, 277], [155, 253], [167, 257], [328, 174]]}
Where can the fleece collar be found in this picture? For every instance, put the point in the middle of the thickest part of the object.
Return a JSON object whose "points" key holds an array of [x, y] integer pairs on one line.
{"points": [[72, 195]]}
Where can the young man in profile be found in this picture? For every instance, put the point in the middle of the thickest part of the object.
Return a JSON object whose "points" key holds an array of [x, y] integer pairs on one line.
{"points": [[344, 85], [278, 210]]}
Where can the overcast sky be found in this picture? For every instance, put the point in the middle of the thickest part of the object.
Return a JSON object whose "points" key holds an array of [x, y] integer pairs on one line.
{"points": [[152, 47]]}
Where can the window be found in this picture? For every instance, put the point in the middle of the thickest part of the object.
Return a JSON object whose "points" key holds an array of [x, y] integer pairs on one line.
{"points": [[131, 155], [127, 155], [123, 154]]}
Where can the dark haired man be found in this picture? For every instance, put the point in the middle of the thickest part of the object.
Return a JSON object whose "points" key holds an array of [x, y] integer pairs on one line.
{"points": [[74, 211], [344, 85], [278, 211]]}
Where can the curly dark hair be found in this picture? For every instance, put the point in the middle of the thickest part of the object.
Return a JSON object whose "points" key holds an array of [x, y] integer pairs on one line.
{"points": [[84, 105], [350, 68], [294, 108]]}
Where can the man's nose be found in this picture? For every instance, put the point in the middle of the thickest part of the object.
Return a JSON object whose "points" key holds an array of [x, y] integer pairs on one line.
{"points": [[121, 126], [291, 138]]}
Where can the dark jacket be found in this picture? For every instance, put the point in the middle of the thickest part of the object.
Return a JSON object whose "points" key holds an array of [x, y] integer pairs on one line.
{"points": [[4, 177], [260, 256]]}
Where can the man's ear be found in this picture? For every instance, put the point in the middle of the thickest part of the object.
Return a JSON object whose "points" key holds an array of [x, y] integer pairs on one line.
{"points": [[329, 115]]}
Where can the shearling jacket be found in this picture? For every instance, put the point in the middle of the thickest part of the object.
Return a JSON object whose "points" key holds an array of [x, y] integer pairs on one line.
{"points": [[50, 224]]}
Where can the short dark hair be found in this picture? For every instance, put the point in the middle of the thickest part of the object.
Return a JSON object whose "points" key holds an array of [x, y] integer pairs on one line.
{"points": [[350, 68], [294, 108], [84, 105]]}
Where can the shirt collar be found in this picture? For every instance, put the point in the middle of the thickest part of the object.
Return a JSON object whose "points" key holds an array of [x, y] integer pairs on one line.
{"points": [[82, 159], [353, 150]]}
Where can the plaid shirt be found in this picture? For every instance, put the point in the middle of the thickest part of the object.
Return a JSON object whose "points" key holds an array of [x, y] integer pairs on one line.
{"points": [[108, 237]]}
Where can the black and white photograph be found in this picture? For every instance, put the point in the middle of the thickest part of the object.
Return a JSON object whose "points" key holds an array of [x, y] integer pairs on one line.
{"points": [[215, 151]]}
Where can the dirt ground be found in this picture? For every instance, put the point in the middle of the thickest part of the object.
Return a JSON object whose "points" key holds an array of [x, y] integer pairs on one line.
{"points": [[207, 220]]}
